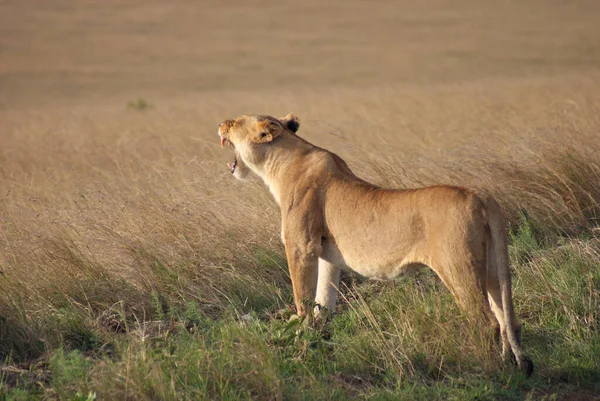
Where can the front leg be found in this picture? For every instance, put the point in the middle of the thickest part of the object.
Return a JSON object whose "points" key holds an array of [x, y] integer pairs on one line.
{"points": [[302, 261], [327, 287], [302, 229]]}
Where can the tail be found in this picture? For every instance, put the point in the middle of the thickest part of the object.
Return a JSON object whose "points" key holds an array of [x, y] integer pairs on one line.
{"points": [[498, 241]]}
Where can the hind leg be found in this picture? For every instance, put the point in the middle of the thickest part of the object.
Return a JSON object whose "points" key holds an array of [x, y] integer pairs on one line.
{"points": [[495, 298], [467, 284]]}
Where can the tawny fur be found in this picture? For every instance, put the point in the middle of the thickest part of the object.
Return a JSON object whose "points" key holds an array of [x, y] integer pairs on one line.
{"points": [[332, 219]]}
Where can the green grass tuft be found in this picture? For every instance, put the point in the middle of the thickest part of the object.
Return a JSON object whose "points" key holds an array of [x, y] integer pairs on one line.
{"points": [[139, 104]]}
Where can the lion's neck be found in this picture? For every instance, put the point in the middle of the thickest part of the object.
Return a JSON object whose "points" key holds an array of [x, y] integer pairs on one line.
{"points": [[277, 171], [283, 163]]}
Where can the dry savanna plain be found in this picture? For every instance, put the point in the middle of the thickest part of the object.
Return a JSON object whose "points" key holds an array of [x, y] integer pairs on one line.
{"points": [[134, 266]]}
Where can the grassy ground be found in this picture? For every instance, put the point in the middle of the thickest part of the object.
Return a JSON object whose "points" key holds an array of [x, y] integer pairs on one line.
{"points": [[132, 265]]}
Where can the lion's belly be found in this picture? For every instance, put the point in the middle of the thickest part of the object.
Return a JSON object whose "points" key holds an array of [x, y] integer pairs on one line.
{"points": [[380, 266], [379, 234]]}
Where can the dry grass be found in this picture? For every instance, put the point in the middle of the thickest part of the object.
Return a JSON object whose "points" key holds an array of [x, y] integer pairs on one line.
{"points": [[116, 191], [122, 213]]}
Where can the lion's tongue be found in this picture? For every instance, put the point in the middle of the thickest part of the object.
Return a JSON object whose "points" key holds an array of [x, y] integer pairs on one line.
{"points": [[223, 142]]}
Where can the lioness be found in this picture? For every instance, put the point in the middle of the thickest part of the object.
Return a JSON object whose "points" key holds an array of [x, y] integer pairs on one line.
{"points": [[333, 219]]}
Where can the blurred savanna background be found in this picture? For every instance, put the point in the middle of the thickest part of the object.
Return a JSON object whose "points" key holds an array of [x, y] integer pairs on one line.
{"points": [[133, 266]]}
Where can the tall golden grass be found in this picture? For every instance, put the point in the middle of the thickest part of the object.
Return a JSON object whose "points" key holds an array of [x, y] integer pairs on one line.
{"points": [[102, 206]]}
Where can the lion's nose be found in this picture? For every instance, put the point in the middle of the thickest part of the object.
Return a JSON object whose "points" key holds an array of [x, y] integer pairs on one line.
{"points": [[224, 127], [221, 129]]}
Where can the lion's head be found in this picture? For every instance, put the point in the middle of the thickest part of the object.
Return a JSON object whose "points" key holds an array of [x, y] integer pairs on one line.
{"points": [[250, 136]]}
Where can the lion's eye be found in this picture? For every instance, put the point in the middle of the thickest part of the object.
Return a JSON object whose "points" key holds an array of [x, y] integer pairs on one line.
{"points": [[263, 134]]}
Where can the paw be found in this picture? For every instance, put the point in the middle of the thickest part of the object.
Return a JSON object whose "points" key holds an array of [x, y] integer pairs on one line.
{"points": [[321, 315]]}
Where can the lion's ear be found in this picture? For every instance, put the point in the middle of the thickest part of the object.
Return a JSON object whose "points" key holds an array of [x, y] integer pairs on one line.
{"points": [[268, 130], [290, 122]]}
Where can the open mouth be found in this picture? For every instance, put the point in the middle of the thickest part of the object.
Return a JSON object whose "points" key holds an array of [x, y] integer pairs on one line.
{"points": [[232, 166]]}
